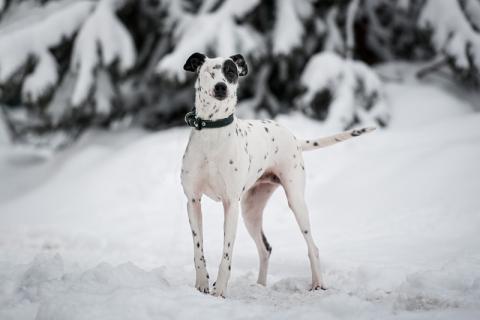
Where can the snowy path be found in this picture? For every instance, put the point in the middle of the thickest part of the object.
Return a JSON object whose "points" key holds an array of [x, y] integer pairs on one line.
{"points": [[101, 232]]}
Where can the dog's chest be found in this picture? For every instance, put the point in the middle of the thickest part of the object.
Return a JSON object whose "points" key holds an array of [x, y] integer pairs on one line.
{"points": [[213, 162], [224, 162]]}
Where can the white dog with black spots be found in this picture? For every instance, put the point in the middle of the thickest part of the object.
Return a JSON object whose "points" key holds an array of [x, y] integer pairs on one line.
{"points": [[241, 161]]}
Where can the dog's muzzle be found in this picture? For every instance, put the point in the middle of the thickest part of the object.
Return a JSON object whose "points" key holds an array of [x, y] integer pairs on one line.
{"points": [[220, 91]]}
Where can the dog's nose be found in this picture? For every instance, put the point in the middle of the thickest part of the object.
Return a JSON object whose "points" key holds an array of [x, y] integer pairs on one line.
{"points": [[220, 90]]}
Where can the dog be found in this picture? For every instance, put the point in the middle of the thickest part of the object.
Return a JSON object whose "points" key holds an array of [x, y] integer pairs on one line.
{"points": [[241, 161]]}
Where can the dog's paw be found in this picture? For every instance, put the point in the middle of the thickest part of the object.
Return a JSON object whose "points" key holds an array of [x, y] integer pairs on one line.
{"points": [[316, 287], [205, 290], [202, 286], [217, 292]]}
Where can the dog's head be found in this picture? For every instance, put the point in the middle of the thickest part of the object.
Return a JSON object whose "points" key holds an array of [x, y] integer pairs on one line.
{"points": [[217, 77]]}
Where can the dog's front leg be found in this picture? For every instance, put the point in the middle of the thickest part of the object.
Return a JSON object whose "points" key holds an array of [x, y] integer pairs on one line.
{"points": [[231, 209], [195, 219]]}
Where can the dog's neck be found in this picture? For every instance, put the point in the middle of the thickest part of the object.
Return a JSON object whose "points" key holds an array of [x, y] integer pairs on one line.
{"points": [[209, 108]]}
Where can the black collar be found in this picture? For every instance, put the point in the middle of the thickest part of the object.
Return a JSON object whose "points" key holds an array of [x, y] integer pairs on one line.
{"points": [[198, 123]]}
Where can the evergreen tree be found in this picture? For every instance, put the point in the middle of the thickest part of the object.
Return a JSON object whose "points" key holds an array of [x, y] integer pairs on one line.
{"points": [[67, 65]]}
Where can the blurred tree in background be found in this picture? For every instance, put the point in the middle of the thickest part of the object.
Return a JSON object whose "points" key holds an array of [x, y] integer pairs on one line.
{"points": [[68, 65]]}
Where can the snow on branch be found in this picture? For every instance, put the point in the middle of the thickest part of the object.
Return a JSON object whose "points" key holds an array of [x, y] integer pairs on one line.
{"points": [[472, 11], [3, 5], [350, 42], [35, 40], [342, 92], [289, 30], [207, 31], [102, 33], [334, 40], [452, 34]]}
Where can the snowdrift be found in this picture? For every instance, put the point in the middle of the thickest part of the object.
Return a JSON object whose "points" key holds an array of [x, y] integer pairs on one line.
{"points": [[101, 232]]}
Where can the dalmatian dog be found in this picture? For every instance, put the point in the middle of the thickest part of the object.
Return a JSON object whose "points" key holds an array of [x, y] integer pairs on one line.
{"points": [[235, 161]]}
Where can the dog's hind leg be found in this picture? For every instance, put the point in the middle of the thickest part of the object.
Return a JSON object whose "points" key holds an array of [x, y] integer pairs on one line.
{"points": [[294, 185], [253, 204]]}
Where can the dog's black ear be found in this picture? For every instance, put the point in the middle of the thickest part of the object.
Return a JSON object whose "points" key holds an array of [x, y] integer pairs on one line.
{"points": [[194, 62], [241, 64]]}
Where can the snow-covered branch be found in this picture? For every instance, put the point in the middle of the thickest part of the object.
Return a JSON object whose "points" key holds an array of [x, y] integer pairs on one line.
{"points": [[219, 33], [452, 35], [289, 30], [21, 42], [350, 42], [342, 93], [102, 33]]}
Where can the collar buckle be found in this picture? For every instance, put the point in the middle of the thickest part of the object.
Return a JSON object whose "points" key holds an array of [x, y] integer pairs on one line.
{"points": [[198, 123], [192, 120]]}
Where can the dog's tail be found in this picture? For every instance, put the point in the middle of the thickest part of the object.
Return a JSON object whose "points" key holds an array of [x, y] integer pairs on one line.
{"points": [[336, 138]]}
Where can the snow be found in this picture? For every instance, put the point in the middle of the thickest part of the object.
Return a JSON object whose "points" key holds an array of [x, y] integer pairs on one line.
{"points": [[102, 32], [215, 31], [100, 231], [452, 33], [20, 39], [288, 31], [328, 70], [334, 40], [4, 134], [472, 11], [42, 79]]}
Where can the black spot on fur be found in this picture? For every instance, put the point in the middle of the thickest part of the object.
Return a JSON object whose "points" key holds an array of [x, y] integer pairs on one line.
{"points": [[198, 244], [229, 268], [266, 244], [315, 144], [231, 162], [305, 231], [266, 129], [356, 133], [230, 71], [193, 200]]}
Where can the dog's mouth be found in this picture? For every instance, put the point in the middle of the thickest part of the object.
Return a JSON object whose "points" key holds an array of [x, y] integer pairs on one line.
{"points": [[219, 96]]}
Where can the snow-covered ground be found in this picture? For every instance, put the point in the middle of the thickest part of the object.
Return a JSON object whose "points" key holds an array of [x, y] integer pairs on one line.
{"points": [[100, 231]]}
